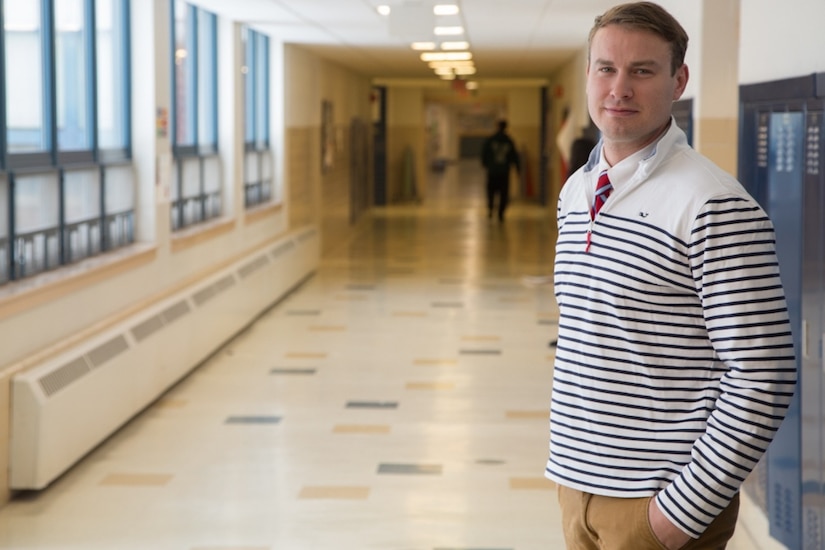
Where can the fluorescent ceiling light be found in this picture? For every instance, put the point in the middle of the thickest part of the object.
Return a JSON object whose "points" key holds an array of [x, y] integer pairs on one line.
{"points": [[448, 31], [423, 45], [383, 9], [445, 9], [464, 70], [446, 56], [462, 45], [437, 64]]}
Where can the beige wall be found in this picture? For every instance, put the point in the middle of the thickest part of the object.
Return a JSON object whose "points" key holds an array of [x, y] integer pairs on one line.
{"points": [[524, 124], [567, 93], [716, 107], [406, 144], [316, 194]]}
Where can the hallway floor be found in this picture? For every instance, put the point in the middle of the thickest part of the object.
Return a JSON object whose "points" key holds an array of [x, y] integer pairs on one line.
{"points": [[398, 400]]}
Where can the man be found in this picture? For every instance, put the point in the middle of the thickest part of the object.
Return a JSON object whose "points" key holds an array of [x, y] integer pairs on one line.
{"points": [[498, 154], [674, 363]]}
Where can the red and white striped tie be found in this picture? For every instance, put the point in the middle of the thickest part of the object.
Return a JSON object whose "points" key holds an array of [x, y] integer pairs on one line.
{"points": [[603, 189]]}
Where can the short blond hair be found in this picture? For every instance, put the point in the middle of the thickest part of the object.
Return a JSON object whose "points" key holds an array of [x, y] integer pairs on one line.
{"points": [[646, 16]]}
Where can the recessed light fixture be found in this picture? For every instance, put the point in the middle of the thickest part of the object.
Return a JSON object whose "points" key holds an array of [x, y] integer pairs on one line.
{"points": [[461, 45], [445, 9], [446, 56], [423, 45], [448, 31], [464, 70], [383, 9], [437, 64]]}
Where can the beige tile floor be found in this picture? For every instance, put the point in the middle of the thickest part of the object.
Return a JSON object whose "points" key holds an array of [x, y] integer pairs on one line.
{"points": [[396, 401]]}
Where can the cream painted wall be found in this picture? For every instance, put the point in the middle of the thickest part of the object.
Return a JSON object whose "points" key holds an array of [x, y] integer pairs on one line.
{"points": [[323, 196], [302, 87], [781, 39], [405, 132], [716, 106]]}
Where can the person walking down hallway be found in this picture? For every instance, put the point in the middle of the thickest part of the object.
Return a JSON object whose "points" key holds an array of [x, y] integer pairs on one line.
{"points": [[675, 362], [498, 154]]}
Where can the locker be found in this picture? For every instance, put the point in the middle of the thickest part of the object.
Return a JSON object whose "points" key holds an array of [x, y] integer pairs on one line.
{"points": [[781, 155], [811, 330]]}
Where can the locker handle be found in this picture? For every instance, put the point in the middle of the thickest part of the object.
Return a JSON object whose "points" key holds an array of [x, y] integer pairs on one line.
{"points": [[804, 338]]}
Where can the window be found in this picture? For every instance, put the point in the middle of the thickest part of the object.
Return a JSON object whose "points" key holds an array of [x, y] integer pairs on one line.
{"points": [[207, 92], [112, 52], [26, 80], [196, 193], [67, 191], [72, 77], [258, 169]]}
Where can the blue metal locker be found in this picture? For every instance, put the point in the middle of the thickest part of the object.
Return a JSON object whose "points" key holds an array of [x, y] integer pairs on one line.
{"points": [[784, 205], [779, 162], [810, 350]]}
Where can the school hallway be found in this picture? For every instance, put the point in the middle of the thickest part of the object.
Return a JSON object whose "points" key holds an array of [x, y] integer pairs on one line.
{"points": [[396, 400]]}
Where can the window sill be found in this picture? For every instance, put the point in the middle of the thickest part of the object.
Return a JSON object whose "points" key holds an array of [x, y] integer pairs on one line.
{"points": [[262, 211], [28, 293], [202, 232]]}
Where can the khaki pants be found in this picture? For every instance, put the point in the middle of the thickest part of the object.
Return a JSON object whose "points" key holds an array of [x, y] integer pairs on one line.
{"points": [[594, 522]]}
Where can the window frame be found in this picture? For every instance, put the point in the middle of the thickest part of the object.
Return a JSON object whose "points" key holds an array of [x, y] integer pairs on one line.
{"points": [[187, 153], [117, 155], [54, 164], [258, 189], [79, 156]]}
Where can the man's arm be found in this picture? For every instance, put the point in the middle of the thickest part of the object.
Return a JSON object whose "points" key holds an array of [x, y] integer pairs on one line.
{"points": [[736, 272]]}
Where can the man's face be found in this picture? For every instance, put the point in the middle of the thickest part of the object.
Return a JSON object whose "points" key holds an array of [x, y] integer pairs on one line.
{"points": [[630, 88]]}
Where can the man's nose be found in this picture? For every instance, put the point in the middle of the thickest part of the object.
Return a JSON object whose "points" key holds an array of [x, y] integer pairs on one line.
{"points": [[622, 87]]}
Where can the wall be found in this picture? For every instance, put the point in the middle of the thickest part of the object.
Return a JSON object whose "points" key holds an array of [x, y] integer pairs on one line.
{"points": [[782, 40], [406, 144], [716, 105], [567, 94], [524, 116], [317, 195]]}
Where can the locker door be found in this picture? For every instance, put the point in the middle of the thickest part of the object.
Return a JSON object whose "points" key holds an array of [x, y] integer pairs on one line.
{"points": [[784, 194], [810, 349]]}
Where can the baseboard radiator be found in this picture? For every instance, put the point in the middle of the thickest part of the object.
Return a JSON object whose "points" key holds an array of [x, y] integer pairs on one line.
{"points": [[66, 406]]}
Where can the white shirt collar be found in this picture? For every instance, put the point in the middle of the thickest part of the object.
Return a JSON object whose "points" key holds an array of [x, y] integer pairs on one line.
{"points": [[623, 170]]}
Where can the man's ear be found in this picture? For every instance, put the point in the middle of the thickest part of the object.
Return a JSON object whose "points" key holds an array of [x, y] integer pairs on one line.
{"points": [[682, 75]]}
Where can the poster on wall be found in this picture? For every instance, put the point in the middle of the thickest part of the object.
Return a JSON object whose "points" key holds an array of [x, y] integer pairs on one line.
{"points": [[327, 136]]}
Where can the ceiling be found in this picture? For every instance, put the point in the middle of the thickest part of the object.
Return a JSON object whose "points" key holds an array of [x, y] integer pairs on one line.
{"points": [[509, 39]]}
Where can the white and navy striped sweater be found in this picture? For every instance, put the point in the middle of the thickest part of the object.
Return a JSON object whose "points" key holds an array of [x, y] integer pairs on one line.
{"points": [[675, 362]]}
